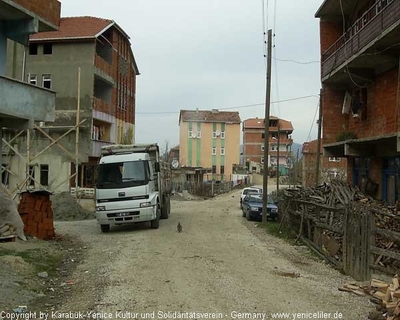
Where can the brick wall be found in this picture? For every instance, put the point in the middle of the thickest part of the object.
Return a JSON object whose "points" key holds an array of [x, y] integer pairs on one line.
{"points": [[48, 10], [380, 113], [333, 120], [329, 33]]}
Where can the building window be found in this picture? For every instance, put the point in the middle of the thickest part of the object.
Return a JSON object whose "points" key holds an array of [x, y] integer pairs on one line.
{"points": [[48, 48], [222, 169], [46, 81], [32, 79], [44, 174], [214, 134], [214, 151], [334, 159], [262, 159], [31, 181], [262, 135], [262, 147], [190, 134], [222, 151], [33, 49], [223, 135], [214, 169], [198, 134]]}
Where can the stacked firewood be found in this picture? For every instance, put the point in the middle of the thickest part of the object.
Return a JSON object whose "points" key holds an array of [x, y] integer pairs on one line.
{"points": [[7, 229], [385, 296]]}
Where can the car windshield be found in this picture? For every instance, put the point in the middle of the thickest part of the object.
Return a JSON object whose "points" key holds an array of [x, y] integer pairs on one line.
{"points": [[250, 191], [123, 174], [258, 199]]}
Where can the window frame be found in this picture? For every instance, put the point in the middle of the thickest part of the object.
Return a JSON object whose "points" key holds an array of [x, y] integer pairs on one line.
{"points": [[222, 151], [44, 173], [214, 151], [46, 78]]}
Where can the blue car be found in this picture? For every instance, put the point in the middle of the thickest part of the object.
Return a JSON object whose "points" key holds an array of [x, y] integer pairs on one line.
{"points": [[252, 207]]}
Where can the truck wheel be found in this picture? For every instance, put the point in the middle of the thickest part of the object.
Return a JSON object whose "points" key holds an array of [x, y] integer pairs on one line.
{"points": [[105, 227], [165, 208], [156, 222]]}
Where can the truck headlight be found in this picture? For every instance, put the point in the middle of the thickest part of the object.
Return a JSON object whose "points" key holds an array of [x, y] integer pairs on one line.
{"points": [[100, 208], [145, 204]]}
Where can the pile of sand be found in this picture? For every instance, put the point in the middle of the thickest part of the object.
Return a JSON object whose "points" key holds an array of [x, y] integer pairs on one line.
{"points": [[66, 208]]}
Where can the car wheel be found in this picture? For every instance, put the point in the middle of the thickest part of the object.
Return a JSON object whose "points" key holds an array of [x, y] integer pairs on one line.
{"points": [[243, 213], [105, 228], [248, 216]]}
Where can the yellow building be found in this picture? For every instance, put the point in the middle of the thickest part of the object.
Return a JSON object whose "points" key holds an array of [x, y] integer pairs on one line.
{"points": [[210, 140]]}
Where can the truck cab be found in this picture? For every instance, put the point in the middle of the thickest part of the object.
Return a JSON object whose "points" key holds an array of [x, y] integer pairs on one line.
{"points": [[130, 189]]}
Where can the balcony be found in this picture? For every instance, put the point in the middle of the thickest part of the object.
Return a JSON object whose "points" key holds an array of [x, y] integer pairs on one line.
{"points": [[373, 35], [103, 69], [47, 12], [25, 101]]}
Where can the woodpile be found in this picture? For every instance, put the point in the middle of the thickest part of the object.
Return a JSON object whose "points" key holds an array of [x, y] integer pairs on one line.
{"points": [[7, 230], [37, 214], [8, 233], [385, 296]]}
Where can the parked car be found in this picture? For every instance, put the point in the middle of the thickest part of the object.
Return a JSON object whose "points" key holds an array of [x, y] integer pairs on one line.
{"points": [[249, 190], [252, 207]]}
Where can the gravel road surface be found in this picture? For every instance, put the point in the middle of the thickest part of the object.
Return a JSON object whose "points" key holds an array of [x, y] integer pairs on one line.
{"points": [[219, 264]]}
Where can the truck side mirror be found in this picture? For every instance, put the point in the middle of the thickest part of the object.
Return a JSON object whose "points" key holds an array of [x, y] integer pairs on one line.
{"points": [[157, 167]]}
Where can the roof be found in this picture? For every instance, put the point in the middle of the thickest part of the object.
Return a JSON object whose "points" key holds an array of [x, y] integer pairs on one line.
{"points": [[209, 116], [258, 123], [75, 28], [311, 147]]}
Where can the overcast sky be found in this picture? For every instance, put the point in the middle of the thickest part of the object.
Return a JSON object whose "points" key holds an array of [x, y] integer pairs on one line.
{"points": [[209, 54]]}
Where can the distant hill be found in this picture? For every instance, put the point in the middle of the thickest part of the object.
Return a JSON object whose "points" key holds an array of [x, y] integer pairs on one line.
{"points": [[297, 147]]}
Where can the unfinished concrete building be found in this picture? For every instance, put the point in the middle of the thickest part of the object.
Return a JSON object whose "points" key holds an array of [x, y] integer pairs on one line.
{"points": [[90, 65], [22, 104]]}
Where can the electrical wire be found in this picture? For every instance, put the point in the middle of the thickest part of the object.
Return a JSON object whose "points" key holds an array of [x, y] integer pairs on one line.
{"points": [[312, 124], [238, 107], [295, 61], [345, 48]]}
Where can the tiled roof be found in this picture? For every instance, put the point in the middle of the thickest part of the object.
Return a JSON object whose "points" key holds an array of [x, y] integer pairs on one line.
{"points": [[311, 147], [209, 116], [74, 28], [259, 123]]}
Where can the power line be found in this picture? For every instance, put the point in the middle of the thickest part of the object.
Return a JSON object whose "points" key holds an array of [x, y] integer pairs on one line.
{"points": [[312, 124], [238, 107], [295, 61]]}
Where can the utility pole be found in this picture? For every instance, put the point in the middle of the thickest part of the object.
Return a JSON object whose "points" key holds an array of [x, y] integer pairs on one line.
{"points": [[266, 128], [319, 141], [78, 111], [278, 171]]}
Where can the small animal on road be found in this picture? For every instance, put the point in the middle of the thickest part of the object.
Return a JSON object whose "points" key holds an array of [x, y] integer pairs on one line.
{"points": [[179, 227]]}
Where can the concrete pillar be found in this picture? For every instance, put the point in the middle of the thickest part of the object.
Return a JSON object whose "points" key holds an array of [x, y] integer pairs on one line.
{"points": [[1, 152], [3, 49]]}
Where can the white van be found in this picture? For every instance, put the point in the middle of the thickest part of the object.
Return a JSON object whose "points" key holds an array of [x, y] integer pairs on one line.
{"points": [[250, 190]]}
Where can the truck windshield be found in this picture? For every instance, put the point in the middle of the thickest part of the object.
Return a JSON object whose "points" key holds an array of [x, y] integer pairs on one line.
{"points": [[122, 174]]}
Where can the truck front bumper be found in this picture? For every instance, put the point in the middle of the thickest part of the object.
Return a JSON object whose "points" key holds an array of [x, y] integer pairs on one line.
{"points": [[126, 217]]}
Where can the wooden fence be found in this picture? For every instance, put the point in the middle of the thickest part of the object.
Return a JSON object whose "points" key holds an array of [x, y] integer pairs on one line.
{"points": [[358, 236]]}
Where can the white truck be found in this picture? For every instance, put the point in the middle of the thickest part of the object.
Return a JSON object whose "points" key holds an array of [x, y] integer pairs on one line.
{"points": [[133, 185]]}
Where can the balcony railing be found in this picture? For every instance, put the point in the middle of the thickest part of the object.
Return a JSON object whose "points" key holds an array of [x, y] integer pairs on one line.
{"points": [[373, 22], [26, 101], [103, 65]]}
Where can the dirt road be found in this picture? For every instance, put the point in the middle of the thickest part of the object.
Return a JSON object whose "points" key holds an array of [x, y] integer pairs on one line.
{"points": [[219, 263]]}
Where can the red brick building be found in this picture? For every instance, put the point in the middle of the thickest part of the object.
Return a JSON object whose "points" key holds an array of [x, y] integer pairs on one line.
{"points": [[279, 137], [360, 82], [330, 167]]}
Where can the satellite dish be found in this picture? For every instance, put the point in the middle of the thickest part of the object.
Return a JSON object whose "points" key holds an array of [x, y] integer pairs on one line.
{"points": [[175, 164]]}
